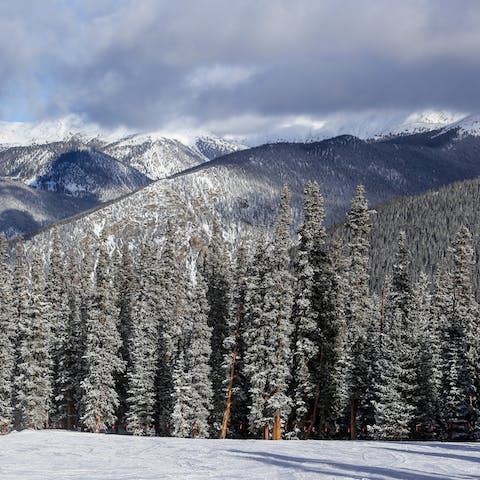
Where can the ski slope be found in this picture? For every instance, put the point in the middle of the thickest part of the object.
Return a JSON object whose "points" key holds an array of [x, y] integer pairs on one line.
{"points": [[51, 455]]}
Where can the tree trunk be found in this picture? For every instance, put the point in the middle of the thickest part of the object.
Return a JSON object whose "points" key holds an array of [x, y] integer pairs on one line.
{"points": [[277, 422], [226, 417], [277, 426], [69, 414], [266, 432], [314, 414], [98, 421], [353, 419]]}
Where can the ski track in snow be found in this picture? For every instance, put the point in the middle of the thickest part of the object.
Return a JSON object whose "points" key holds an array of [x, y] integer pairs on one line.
{"points": [[52, 455]]}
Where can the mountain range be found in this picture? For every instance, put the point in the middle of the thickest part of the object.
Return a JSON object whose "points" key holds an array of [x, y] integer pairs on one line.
{"points": [[56, 176]]}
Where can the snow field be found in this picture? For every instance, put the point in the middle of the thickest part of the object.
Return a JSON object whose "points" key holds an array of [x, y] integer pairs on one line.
{"points": [[51, 455]]}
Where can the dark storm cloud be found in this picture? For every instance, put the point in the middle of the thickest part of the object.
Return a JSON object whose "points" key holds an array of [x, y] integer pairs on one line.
{"points": [[151, 63]]}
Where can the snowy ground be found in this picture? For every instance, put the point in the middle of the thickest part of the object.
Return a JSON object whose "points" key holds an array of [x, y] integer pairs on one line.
{"points": [[50, 455]]}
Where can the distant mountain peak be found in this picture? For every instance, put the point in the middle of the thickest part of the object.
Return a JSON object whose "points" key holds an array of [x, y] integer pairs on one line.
{"points": [[467, 126]]}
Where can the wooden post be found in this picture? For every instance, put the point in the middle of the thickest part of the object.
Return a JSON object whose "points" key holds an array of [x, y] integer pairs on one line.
{"points": [[226, 417], [353, 419]]}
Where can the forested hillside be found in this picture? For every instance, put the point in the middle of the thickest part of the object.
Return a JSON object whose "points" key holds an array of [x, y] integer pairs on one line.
{"points": [[183, 333], [430, 222]]}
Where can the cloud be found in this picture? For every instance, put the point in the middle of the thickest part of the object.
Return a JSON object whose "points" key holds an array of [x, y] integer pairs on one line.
{"points": [[154, 63], [219, 76]]}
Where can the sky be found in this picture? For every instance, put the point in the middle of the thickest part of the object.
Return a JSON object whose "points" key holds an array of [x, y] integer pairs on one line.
{"points": [[237, 66]]}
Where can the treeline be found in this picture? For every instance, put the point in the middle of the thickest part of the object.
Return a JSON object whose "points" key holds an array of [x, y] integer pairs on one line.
{"points": [[275, 338]]}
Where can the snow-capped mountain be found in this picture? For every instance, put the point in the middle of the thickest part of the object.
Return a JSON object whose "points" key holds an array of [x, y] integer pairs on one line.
{"points": [[365, 125], [244, 187], [244, 184], [71, 168], [24, 209], [420, 122], [300, 128], [57, 130], [212, 147], [467, 126], [155, 157]]}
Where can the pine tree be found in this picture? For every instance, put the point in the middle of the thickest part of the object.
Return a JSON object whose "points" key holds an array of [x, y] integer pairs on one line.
{"points": [[7, 339], [256, 355], [171, 303], [457, 334], [102, 359], [268, 356], [126, 284], [33, 380], [192, 384], [72, 357], [57, 310], [216, 271], [304, 315], [142, 375], [426, 361], [395, 403], [236, 382], [357, 307]]}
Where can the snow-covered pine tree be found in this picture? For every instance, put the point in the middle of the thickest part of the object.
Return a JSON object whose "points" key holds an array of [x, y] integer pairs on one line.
{"points": [[394, 403], [142, 375], [33, 379], [257, 353], [393, 414], [192, 385], [305, 347], [235, 383], [401, 289], [457, 336], [357, 307], [171, 303], [329, 335], [81, 299], [102, 347], [75, 343], [181, 414], [426, 361], [58, 316], [217, 274], [126, 284], [7, 339], [268, 355]]}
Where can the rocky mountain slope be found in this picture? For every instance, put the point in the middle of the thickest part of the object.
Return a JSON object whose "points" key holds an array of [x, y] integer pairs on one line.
{"points": [[388, 168], [243, 186], [24, 209]]}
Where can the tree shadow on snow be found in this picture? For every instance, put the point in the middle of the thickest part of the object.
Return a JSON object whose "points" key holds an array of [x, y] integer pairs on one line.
{"points": [[453, 456], [350, 471]]}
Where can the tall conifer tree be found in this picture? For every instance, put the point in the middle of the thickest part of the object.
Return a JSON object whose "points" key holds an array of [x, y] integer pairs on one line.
{"points": [[102, 350], [7, 339], [357, 307]]}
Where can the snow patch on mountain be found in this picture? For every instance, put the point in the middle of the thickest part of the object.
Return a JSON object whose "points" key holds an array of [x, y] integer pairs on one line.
{"points": [[213, 147], [57, 130], [467, 126], [155, 156], [297, 128]]}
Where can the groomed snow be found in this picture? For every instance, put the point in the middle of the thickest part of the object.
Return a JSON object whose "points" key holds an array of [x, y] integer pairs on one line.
{"points": [[68, 455]]}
